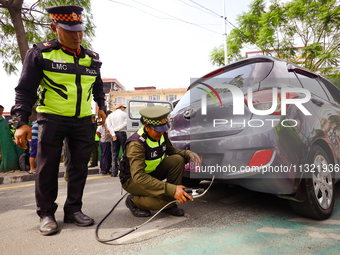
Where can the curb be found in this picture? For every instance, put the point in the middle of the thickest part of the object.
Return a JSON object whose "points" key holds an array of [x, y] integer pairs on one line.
{"points": [[25, 177]]}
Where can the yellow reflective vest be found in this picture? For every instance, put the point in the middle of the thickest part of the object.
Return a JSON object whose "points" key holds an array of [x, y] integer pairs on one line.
{"points": [[68, 80], [155, 150]]}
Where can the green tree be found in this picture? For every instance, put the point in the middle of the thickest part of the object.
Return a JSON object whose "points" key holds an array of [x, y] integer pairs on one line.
{"points": [[24, 23], [305, 32], [216, 56]]}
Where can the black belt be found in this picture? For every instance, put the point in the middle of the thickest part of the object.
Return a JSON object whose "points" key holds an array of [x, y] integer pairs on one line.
{"points": [[61, 118]]}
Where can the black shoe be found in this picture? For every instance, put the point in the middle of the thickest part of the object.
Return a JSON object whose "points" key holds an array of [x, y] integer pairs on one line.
{"points": [[79, 219], [175, 211], [134, 209], [114, 175], [48, 226]]}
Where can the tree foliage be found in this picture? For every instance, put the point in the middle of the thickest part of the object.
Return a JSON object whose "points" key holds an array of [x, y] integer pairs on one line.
{"points": [[305, 32], [24, 23]]}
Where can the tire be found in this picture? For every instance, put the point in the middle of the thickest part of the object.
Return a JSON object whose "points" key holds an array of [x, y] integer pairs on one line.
{"points": [[318, 186], [187, 182]]}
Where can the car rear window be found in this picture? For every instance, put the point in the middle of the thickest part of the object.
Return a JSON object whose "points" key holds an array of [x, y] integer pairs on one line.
{"points": [[312, 85], [242, 77]]}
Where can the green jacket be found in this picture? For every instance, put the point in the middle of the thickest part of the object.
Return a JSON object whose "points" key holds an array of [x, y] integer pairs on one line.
{"points": [[135, 152]]}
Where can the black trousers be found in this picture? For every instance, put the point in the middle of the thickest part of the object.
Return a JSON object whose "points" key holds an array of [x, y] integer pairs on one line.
{"points": [[52, 131], [115, 148]]}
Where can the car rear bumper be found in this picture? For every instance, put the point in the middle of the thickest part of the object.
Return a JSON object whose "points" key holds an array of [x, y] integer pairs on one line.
{"points": [[227, 158]]}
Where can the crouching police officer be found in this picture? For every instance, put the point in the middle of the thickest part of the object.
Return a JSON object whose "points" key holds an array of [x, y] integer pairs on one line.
{"points": [[68, 75], [150, 158]]}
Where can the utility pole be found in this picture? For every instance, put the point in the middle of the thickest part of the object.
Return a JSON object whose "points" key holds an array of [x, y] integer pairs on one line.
{"points": [[225, 35]]}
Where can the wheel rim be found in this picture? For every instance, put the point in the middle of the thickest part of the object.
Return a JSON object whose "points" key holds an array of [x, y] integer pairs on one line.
{"points": [[323, 182]]}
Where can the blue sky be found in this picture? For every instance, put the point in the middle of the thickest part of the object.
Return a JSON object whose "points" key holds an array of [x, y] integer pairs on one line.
{"points": [[146, 44]]}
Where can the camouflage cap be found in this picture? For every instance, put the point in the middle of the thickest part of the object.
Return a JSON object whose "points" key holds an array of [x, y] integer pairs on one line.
{"points": [[156, 117]]}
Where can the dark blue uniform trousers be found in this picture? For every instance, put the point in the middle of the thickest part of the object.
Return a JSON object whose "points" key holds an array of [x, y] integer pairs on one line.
{"points": [[52, 131], [105, 158]]}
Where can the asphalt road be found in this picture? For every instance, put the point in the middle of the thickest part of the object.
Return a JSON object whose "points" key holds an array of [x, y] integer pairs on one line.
{"points": [[227, 220]]}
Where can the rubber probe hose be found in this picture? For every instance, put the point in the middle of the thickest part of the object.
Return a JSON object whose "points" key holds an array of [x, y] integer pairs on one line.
{"points": [[124, 233]]}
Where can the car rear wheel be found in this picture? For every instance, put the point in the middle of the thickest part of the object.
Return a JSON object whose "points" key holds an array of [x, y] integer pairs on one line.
{"points": [[318, 185]]}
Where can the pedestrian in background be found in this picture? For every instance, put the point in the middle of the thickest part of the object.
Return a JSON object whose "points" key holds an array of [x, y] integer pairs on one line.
{"points": [[1, 110], [116, 124], [67, 158], [34, 147], [68, 75], [94, 153], [105, 148]]}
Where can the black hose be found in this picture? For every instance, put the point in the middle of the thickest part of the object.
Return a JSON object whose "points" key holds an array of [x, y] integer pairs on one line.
{"points": [[200, 192], [97, 228]]}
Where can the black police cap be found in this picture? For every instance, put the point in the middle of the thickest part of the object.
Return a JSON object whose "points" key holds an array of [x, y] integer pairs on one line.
{"points": [[68, 16]]}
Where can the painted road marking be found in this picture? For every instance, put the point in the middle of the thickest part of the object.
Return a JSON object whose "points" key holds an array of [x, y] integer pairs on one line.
{"points": [[325, 235], [151, 227], [281, 231], [329, 221], [237, 198], [19, 186], [28, 185]]}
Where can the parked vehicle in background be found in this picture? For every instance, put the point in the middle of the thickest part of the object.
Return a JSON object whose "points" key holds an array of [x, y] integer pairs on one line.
{"points": [[133, 107], [293, 155]]}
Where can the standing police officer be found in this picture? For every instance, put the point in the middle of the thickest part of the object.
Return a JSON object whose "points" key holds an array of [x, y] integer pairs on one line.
{"points": [[67, 74], [145, 164]]}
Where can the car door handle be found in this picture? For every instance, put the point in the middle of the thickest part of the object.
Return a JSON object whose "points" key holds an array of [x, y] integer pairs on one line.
{"points": [[135, 124], [317, 102]]}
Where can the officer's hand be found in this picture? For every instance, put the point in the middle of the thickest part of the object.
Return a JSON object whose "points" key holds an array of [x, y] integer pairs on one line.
{"points": [[195, 158], [114, 138], [181, 196], [20, 136], [102, 115]]}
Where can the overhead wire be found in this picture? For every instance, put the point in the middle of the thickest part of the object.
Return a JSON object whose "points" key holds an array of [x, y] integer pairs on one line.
{"points": [[175, 17], [207, 9], [196, 7], [139, 10], [179, 19], [210, 11], [172, 17]]}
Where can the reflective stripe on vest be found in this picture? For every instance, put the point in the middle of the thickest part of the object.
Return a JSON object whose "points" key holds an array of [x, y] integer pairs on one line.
{"points": [[66, 88], [155, 152]]}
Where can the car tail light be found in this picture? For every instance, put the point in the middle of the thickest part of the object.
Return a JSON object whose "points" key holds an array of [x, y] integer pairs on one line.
{"points": [[260, 158], [263, 100]]}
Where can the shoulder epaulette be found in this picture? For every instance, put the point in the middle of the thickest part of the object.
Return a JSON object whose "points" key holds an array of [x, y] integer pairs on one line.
{"points": [[43, 46], [92, 54], [143, 138]]}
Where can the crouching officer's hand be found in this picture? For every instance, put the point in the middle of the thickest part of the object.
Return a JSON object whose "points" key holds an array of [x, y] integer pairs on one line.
{"points": [[181, 196], [20, 136], [195, 158]]}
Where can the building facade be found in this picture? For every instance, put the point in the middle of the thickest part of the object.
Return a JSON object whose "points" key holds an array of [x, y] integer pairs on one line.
{"points": [[145, 93]]}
